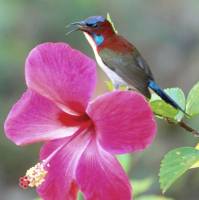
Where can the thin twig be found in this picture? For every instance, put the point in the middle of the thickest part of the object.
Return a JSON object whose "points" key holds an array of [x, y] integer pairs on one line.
{"points": [[188, 128], [185, 126], [182, 124]]}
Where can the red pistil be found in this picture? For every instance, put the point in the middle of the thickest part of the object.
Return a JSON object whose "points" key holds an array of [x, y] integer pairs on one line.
{"points": [[24, 182]]}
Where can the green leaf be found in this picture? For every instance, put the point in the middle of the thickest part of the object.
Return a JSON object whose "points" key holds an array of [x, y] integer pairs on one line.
{"points": [[176, 163], [109, 85], [178, 95], [125, 161], [110, 20], [141, 186], [80, 196], [192, 107], [152, 197], [160, 107], [195, 165]]}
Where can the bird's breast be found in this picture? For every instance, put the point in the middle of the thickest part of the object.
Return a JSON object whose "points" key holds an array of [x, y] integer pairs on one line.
{"points": [[110, 73]]}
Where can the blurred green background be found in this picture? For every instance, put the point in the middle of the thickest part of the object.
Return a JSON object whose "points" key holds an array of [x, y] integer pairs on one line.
{"points": [[165, 31]]}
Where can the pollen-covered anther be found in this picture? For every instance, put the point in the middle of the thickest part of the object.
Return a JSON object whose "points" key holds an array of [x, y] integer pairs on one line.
{"points": [[34, 177]]}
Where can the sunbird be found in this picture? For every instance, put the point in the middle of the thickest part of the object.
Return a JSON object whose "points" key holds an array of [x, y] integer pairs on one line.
{"points": [[120, 59]]}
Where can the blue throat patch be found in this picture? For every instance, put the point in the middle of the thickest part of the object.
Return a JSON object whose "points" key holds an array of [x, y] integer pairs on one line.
{"points": [[99, 39]]}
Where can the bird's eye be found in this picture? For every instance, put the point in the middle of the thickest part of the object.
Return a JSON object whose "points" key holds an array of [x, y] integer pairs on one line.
{"points": [[92, 25]]}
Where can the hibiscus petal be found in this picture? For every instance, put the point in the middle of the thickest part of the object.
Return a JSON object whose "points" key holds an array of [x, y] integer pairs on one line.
{"points": [[60, 183], [35, 118], [62, 74], [124, 121], [100, 176], [49, 147]]}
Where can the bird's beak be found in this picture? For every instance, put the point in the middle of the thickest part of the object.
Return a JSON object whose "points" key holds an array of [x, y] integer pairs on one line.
{"points": [[76, 26]]}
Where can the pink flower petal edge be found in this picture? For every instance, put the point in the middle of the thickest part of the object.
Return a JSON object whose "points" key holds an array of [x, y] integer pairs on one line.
{"points": [[62, 74], [124, 121], [34, 118], [60, 183], [100, 176]]}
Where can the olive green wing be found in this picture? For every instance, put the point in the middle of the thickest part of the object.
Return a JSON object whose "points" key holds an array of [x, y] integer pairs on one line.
{"points": [[130, 67]]}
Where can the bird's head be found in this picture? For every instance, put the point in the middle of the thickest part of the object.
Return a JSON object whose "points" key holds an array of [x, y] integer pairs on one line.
{"points": [[96, 28]]}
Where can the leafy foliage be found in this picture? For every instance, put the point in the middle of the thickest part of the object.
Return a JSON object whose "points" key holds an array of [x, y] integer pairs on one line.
{"points": [[110, 20], [192, 106], [109, 85], [80, 196], [152, 197], [176, 163], [125, 161], [161, 108], [141, 186], [196, 165]]}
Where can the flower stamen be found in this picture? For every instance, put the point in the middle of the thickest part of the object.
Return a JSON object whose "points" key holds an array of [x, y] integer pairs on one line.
{"points": [[34, 177]]}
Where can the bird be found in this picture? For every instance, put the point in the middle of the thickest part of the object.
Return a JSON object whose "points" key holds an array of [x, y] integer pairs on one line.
{"points": [[120, 59]]}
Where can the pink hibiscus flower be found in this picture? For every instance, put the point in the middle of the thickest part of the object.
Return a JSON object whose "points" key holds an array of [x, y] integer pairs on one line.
{"points": [[81, 136]]}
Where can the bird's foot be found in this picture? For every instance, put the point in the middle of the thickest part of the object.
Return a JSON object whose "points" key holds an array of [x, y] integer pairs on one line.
{"points": [[120, 86]]}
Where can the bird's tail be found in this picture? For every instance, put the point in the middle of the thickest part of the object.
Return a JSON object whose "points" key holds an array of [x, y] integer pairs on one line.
{"points": [[160, 92]]}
